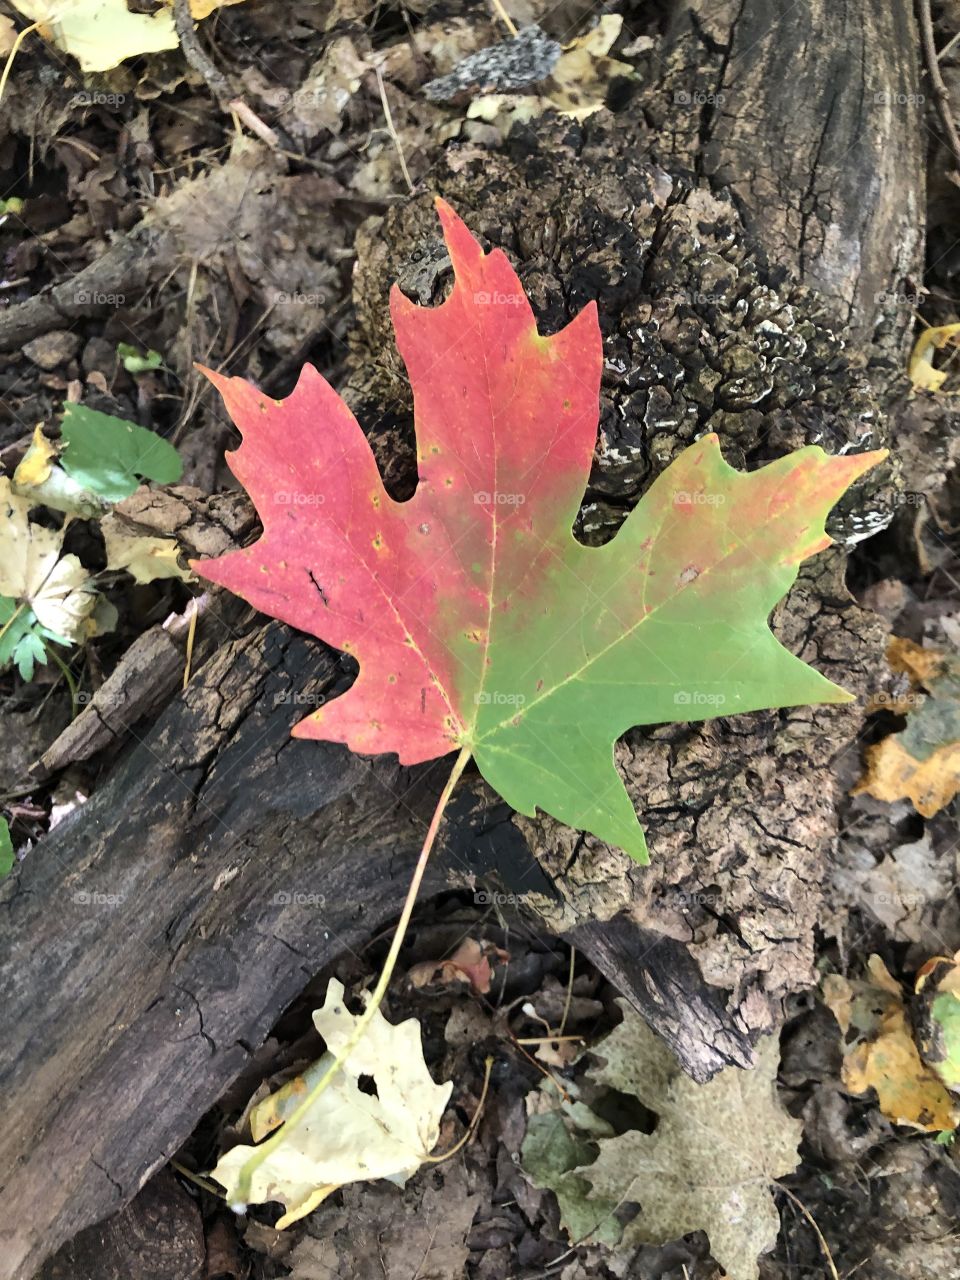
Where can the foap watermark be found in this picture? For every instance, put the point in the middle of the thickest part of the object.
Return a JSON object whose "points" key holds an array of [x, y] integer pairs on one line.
{"points": [[898, 703], [296, 698], [299, 298], [698, 98], [681, 900], [93, 297], [906, 900], [95, 98], [495, 698], [295, 898], [888, 98], [687, 499], [890, 298], [483, 298], [484, 499], [102, 697], [693, 298], [89, 898], [698, 698], [487, 898], [298, 498]]}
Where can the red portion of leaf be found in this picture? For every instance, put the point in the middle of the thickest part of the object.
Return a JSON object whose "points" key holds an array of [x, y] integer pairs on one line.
{"points": [[407, 588]]}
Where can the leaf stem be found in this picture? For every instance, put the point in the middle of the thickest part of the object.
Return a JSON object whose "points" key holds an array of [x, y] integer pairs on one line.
{"points": [[242, 1194], [12, 619]]}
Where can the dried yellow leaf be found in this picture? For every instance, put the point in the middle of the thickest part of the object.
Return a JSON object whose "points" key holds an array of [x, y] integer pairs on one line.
{"points": [[37, 461]]}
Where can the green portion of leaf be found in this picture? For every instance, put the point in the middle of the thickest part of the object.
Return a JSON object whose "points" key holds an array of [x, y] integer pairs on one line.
{"points": [[551, 1153], [110, 456], [945, 1013], [7, 856]]}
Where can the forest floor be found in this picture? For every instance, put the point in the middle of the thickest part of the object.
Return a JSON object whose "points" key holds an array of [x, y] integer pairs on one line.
{"points": [[339, 85]]}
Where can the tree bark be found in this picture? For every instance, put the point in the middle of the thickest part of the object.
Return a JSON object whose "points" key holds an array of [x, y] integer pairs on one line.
{"points": [[743, 223]]}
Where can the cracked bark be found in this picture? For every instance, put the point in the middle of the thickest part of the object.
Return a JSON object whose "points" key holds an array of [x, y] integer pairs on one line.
{"points": [[743, 254]]}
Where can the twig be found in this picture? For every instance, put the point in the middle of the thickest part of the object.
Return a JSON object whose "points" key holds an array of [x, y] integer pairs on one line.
{"points": [[940, 95], [567, 1002], [504, 17], [216, 81], [196, 55], [391, 129], [194, 610], [373, 1004], [487, 1068], [21, 36], [809, 1217]]}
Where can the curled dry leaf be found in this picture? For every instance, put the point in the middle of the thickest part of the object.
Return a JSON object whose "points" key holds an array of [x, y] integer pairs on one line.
{"points": [[920, 368], [34, 574], [469, 963], [937, 1017], [922, 762], [145, 557], [348, 1135], [880, 1053]]}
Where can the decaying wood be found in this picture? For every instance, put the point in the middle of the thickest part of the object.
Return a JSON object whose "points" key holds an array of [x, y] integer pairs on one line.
{"points": [[153, 938]]}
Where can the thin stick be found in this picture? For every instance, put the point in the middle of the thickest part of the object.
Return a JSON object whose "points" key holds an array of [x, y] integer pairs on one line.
{"points": [[545, 1039], [71, 683], [13, 53], [191, 634], [204, 1183], [809, 1217], [504, 17], [391, 128], [487, 1068], [566, 1006], [12, 619], [373, 1004], [940, 95]]}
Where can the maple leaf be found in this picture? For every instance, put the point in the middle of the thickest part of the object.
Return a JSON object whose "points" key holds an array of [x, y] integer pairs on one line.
{"points": [[478, 620], [710, 1163], [347, 1134]]}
